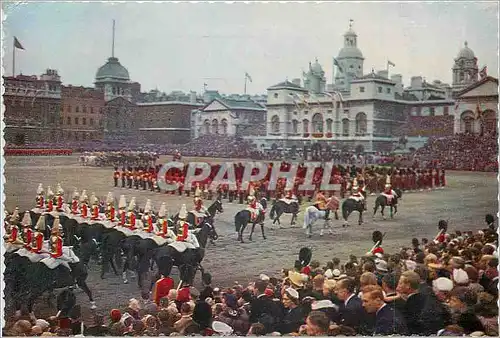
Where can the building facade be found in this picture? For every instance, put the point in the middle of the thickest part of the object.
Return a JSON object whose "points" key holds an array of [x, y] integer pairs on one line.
{"points": [[83, 113], [165, 122], [32, 108]]}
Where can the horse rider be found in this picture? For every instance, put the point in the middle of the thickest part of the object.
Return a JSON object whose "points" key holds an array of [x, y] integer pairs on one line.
{"points": [[84, 204], [362, 190], [289, 197], [356, 192], [59, 198], [183, 233], [162, 223], [320, 203], [74, 202], [40, 199], [130, 222], [253, 206], [13, 232], [199, 211], [37, 243], [148, 218], [110, 207], [56, 241], [50, 199], [95, 207], [27, 231], [122, 213], [388, 192]]}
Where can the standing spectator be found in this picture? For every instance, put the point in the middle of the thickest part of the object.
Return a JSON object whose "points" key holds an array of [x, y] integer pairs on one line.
{"points": [[161, 288], [352, 313], [388, 320], [389, 283]]}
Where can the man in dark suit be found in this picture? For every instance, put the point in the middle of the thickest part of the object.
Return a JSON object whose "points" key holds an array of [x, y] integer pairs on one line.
{"points": [[388, 321], [389, 284], [423, 313], [352, 313], [263, 309]]}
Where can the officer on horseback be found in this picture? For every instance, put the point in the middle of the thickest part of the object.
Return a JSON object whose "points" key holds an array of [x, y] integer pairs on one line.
{"points": [[289, 197], [388, 192], [199, 211], [183, 233], [110, 208], [162, 223], [254, 206], [37, 244], [74, 202], [147, 219], [84, 204], [320, 204], [40, 199]]}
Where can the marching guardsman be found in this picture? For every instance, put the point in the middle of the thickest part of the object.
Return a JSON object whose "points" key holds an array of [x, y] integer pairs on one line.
{"points": [[145, 179], [40, 199], [122, 213], [388, 192], [95, 207], [84, 204], [123, 176], [56, 241], [59, 198], [252, 204], [116, 176], [183, 230], [37, 243], [131, 215], [27, 231], [74, 202], [147, 218], [50, 199], [110, 207], [441, 236]]}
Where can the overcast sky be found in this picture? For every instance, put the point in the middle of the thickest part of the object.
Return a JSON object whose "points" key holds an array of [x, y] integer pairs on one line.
{"points": [[181, 46]]}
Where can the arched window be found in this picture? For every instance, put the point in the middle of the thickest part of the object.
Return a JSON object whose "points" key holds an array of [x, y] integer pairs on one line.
{"points": [[467, 122], [317, 123], [295, 126], [275, 124], [215, 126], [224, 126], [361, 123], [329, 124], [345, 127], [207, 126], [489, 121], [305, 125]]}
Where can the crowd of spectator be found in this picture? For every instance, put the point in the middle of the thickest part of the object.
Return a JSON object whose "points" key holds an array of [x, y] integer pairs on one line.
{"points": [[447, 286], [461, 152], [426, 126]]}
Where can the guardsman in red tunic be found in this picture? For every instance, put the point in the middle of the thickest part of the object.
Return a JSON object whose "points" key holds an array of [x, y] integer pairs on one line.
{"points": [[377, 238], [40, 200], [37, 243], [110, 207], [131, 217], [388, 192], [56, 241], [116, 176], [50, 200], [59, 198], [123, 176], [252, 205], [147, 219], [199, 211], [161, 288], [161, 222], [145, 180], [27, 231], [122, 212], [84, 204], [95, 207], [183, 231], [74, 203]]}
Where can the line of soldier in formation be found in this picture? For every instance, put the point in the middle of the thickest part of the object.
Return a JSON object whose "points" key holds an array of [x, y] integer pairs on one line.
{"points": [[89, 209], [372, 178]]}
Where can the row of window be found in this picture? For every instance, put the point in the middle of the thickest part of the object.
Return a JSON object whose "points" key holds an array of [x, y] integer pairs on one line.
{"points": [[380, 90], [84, 109], [417, 111], [77, 121], [317, 125]]}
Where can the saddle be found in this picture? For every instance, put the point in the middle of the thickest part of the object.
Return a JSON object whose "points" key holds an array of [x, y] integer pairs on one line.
{"points": [[181, 246], [67, 258], [288, 200], [10, 247], [159, 240]]}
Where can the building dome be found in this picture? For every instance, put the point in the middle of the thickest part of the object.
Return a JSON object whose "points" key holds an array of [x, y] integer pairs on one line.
{"points": [[350, 52], [112, 69], [316, 67], [466, 53]]}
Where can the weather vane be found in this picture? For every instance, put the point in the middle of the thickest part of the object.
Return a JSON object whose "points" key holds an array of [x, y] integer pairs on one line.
{"points": [[350, 23]]}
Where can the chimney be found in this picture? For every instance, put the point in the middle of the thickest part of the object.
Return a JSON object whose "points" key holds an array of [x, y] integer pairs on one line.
{"points": [[416, 82], [383, 73], [296, 82]]}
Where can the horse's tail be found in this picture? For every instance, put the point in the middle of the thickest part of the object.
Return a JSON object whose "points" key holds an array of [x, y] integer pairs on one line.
{"points": [[307, 218], [273, 211], [238, 222], [345, 212]]}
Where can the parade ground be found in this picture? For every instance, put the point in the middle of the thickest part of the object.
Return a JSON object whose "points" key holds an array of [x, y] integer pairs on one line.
{"points": [[464, 202]]}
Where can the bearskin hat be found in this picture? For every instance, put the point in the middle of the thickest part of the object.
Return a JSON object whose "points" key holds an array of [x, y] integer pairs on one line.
{"points": [[443, 225], [305, 255], [377, 236]]}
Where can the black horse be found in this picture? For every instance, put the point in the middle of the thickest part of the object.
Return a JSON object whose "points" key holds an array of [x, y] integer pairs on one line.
{"points": [[382, 202], [213, 209], [30, 280], [244, 217], [166, 257], [349, 206], [280, 207]]}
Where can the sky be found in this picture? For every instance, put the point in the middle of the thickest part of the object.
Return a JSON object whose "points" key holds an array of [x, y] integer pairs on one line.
{"points": [[172, 46]]}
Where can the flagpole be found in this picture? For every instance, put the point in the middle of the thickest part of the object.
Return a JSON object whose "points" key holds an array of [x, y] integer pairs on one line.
{"points": [[245, 90], [14, 58]]}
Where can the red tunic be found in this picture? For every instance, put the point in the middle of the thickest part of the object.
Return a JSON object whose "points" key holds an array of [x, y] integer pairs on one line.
{"points": [[161, 288], [13, 234], [28, 237], [84, 210], [150, 224], [50, 205], [59, 202], [123, 217], [183, 233], [95, 212], [74, 207], [378, 250], [164, 227], [111, 213], [56, 245], [37, 245], [131, 219], [40, 202], [117, 174]]}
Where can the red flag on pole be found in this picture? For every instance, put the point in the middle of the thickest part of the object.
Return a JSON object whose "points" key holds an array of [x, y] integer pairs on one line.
{"points": [[17, 44]]}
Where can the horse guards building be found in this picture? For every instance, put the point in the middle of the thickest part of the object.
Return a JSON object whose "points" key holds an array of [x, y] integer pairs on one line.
{"points": [[362, 111]]}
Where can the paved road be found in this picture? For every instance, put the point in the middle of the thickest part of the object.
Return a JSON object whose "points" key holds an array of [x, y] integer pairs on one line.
{"points": [[464, 202]]}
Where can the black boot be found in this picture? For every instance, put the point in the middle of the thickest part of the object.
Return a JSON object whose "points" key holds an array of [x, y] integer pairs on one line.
{"points": [[327, 215]]}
